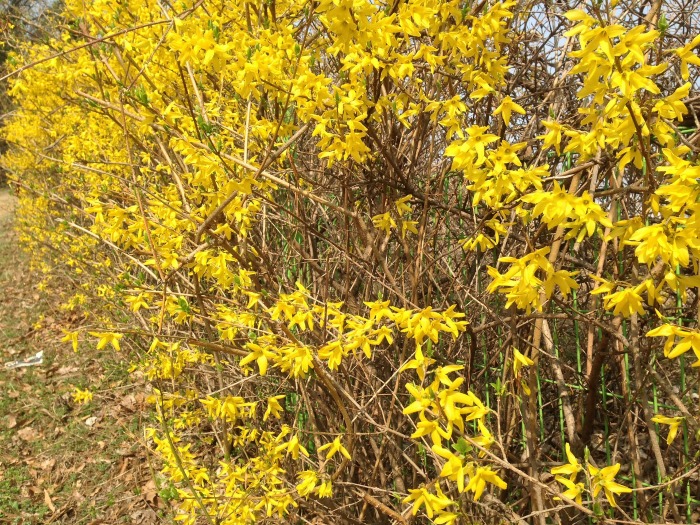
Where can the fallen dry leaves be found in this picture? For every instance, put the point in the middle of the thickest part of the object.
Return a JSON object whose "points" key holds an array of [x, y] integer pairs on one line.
{"points": [[61, 462]]}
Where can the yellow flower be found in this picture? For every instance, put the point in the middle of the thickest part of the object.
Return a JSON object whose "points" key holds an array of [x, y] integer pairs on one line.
{"points": [[82, 396], [454, 469], [672, 422], [687, 56], [572, 468], [325, 490], [260, 354], [384, 221], [434, 503], [484, 440], [605, 479], [71, 337], [294, 448], [273, 407], [573, 490], [422, 399], [519, 361], [309, 479], [379, 309], [420, 363], [334, 447], [484, 475], [107, 338], [402, 207], [433, 428], [625, 302], [408, 226], [506, 107], [381, 334], [553, 137]]}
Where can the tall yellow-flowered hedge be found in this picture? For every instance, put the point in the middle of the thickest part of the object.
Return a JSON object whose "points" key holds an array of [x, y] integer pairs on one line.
{"points": [[422, 261]]}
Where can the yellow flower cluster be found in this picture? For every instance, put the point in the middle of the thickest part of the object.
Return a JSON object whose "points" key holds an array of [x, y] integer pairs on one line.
{"points": [[599, 479], [162, 148]]}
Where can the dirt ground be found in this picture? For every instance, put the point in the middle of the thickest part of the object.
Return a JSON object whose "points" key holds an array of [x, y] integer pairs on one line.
{"points": [[7, 203], [62, 461]]}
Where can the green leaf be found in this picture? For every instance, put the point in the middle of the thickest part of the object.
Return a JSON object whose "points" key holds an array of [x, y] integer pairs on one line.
{"points": [[462, 446]]}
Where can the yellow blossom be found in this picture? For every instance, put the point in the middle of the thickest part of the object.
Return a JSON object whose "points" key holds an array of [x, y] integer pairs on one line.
{"points": [[107, 338], [309, 479], [519, 361], [82, 396], [573, 490], [334, 447], [273, 407], [572, 468], [478, 481], [604, 479], [506, 107], [673, 425], [71, 337]]}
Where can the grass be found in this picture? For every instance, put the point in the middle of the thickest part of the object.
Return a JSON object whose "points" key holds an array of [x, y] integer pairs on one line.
{"points": [[55, 468]]}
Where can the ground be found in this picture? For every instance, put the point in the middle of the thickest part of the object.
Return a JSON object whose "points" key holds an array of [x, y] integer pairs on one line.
{"points": [[60, 461]]}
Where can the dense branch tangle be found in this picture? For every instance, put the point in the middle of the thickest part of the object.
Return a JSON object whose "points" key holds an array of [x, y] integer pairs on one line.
{"points": [[383, 262]]}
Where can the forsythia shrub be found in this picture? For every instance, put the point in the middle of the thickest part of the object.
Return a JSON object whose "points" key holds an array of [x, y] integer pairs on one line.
{"points": [[382, 262]]}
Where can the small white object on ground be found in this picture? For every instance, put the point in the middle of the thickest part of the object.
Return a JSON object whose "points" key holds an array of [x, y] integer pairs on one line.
{"points": [[35, 360]]}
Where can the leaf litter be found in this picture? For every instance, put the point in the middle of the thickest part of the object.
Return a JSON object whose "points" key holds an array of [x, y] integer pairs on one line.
{"points": [[63, 462]]}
